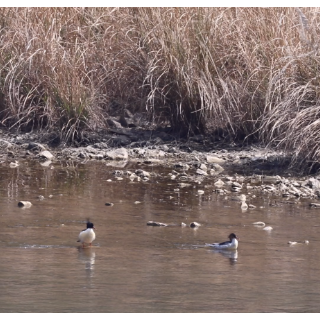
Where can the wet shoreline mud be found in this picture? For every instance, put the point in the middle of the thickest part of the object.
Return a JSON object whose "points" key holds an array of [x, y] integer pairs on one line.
{"points": [[201, 161]]}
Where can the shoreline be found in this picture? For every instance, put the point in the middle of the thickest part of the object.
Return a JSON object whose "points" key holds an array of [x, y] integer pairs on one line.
{"points": [[224, 168]]}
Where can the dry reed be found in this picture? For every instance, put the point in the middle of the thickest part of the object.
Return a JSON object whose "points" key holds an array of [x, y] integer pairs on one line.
{"points": [[250, 72]]}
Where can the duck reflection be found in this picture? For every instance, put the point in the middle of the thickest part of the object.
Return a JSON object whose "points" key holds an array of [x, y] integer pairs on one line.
{"points": [[87, 257], [232, 255]]}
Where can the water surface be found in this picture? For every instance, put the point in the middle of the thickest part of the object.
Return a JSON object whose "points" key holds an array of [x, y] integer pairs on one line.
{"points": [[135, 268]]}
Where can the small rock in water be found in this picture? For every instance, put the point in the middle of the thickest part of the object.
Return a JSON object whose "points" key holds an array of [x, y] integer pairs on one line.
{"points": [[183, 224], [200, 191], [156, 224], [109, 204], [40, 197], [259, 223], [298, 242], [14, 164], [315, 205], [25, 204], [46, 154], [137, 202], [244, 206], [195, 224], [268, 228]]}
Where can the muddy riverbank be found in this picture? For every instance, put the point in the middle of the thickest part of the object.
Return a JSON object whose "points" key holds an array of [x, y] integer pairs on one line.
{"points": [[205, 162]]}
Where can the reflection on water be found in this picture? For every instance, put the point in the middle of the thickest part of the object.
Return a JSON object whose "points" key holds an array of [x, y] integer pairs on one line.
{"points": [[231, 255], [87, 257], [132, 267]]}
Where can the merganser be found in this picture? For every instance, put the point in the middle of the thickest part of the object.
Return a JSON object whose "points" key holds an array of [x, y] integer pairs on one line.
{"points": [[229, 245], [87, 235]]}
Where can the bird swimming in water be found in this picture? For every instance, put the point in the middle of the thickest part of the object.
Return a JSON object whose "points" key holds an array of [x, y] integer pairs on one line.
{"points": [[229, 245]]}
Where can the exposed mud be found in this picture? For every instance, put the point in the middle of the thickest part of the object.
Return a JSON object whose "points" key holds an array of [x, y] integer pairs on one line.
{"points": [[221, 167]]}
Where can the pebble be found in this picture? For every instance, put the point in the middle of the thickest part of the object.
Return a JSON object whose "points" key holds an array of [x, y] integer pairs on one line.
{"points": [[14, 164], [244, 206], [195, 224], [298, 242], [156, 224], [25, 204], [259, 223]]}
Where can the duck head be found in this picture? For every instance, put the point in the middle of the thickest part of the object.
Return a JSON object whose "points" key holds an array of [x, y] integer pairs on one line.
{"points": [[90, 225], [232, 236]]}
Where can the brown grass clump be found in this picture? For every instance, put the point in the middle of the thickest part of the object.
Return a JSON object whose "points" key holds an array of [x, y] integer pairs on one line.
{"points": [[250, 72]]}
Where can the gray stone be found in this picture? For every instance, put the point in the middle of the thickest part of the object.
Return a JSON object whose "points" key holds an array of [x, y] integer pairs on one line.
{"points": [[35, 146], [184, 185], [142, 173], [313, 183], [219, 183], [180, 165], [236, 185], [99, 156], [315, 205], [5, 144], [46, 154], [213, 159], [25, 204], [203, 167], [194, 225], [117, 154], [217, 168], [113, 123], [156, 224], [271, 179], [201, 172]]}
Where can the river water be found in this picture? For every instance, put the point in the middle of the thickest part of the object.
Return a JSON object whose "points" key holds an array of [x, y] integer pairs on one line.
{"points": [[132, 267]]}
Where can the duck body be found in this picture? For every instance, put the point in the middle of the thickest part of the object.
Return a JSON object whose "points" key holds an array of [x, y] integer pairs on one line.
{"points": [[87, 235], [227, 245]]}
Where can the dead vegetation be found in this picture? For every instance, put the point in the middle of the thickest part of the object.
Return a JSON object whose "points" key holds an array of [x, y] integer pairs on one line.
{"points": [[250, 72]]}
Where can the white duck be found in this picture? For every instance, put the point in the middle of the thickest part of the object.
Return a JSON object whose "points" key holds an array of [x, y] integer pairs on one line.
{"points": [[229, 245], [87, 235]]}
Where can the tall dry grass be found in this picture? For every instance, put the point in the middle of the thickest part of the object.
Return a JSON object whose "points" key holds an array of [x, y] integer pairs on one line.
{"points": [[251, 72]]}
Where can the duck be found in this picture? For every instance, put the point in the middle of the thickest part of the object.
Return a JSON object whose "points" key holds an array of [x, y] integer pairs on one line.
{"points": [[228, 245], [87, 235]]}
